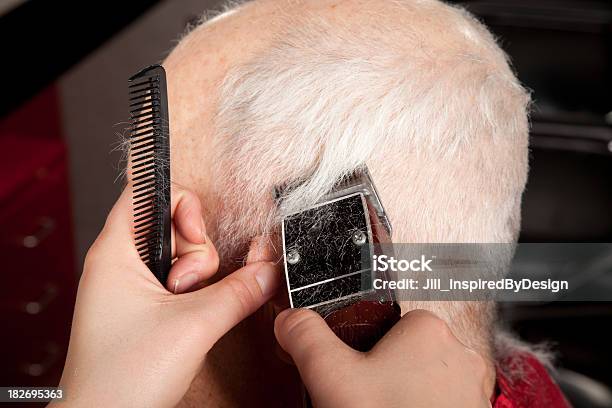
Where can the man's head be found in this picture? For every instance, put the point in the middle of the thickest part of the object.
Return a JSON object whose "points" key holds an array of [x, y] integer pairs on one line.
{"points": [[279, 91]]}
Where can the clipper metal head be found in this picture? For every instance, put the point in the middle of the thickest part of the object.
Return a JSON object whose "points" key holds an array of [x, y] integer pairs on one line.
{"points": [[328, 248]]}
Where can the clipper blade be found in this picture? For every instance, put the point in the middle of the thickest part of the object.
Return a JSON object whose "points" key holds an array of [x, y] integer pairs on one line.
{"points": [[328, 248]]}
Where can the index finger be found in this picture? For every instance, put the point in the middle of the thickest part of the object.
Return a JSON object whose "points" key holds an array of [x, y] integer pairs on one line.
{"points": [[120, 220]]}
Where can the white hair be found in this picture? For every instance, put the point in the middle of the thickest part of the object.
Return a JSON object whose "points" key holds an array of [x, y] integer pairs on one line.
{"points": [[420, 92], [420, 109]]}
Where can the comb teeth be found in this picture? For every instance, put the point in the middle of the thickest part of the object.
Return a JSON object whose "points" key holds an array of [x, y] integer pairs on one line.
{"points": [[150, 161]]}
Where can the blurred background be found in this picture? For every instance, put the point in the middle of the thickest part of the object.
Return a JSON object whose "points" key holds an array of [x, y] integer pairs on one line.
{"points": [[64, 103]]}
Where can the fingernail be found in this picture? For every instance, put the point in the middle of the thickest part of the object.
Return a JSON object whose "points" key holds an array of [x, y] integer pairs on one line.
{"points": [[267, 278], [282, 315], [185, 282]]}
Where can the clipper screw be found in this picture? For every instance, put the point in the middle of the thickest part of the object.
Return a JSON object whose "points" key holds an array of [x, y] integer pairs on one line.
{"points": [[293, 257], [359, 238]]}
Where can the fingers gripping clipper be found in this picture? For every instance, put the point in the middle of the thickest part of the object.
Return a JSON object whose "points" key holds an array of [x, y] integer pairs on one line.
{"points": [[328, 251]]}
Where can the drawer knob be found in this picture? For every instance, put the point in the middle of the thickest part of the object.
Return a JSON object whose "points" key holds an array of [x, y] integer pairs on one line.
{"points": [[34, 307], [50, 358], [46, 226]]}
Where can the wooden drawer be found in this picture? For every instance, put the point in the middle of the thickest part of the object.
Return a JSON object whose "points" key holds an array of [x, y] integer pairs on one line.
{"points": [[39, 280], [36, 243]]}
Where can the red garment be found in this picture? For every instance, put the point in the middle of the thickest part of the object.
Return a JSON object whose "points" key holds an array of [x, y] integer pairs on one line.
{"points": [[530, 385]]}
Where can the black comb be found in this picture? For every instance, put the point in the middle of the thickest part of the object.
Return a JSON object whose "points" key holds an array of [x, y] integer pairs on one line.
{"points": [[150, 161]]}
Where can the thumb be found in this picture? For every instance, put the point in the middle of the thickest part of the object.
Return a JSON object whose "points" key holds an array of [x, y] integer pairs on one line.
{"points": [[314, 347], [118, 225], [232, 299]]}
